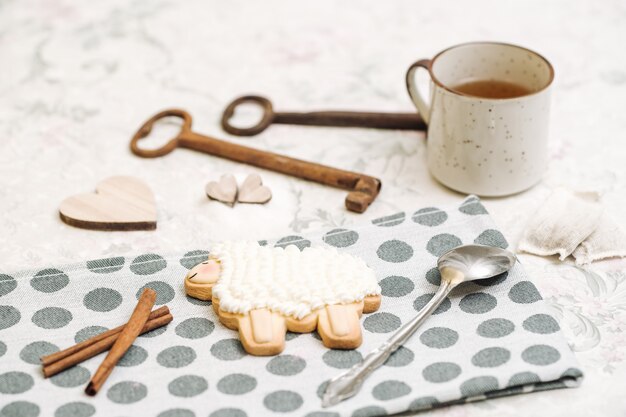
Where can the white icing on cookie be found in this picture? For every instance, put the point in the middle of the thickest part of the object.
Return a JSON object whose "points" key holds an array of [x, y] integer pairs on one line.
{"points": [[288, 281]]}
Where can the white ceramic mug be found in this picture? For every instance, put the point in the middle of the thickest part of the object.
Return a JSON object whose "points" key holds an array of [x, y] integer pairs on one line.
{"points": [[485, 146]]}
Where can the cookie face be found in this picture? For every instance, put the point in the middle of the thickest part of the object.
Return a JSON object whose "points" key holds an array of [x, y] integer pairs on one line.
{"points": [[263, 292]]}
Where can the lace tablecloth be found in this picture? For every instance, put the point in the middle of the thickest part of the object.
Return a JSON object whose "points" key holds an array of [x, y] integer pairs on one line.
{"points": [[77, 80]]}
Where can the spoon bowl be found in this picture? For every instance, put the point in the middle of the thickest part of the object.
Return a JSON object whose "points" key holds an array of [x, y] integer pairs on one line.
{"points": [[474, 262]]}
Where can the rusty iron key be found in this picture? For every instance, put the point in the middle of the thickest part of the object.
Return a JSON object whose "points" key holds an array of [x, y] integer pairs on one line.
{"points": [[363, 188], [400, 121]]}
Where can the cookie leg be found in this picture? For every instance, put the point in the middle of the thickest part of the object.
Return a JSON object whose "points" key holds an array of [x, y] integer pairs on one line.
{"points": [[262, 332], [339, 327]]}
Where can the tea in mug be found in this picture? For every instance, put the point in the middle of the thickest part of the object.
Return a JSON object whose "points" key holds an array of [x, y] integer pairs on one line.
{"points": [[492, 89]]}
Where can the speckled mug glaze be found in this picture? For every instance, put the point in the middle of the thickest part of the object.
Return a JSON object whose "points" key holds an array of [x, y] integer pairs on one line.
{"points": [[484, 146]]}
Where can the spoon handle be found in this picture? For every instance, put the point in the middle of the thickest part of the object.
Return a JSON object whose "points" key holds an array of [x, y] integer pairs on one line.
{"points": [[349, 383]]}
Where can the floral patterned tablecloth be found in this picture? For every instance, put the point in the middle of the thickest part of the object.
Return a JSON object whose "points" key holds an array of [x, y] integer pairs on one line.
{"points": [[77, 79]]}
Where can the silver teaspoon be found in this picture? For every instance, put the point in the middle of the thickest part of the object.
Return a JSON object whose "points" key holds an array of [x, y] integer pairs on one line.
{"points": [[461, 264]]}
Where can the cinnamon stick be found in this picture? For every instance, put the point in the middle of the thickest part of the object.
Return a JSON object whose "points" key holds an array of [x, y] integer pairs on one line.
{"points": [[126, 338], [99, 346], [50, 359]]}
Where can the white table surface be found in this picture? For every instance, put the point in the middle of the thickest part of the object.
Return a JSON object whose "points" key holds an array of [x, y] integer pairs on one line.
{"points": [[78, 78]]}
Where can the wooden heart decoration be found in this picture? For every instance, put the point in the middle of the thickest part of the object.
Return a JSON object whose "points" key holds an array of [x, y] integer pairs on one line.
{"points": [[224, 190], [253, 191], [119, 203]]}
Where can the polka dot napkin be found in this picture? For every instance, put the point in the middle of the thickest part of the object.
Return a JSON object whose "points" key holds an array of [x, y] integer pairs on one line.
{"points": [[491, 338]]}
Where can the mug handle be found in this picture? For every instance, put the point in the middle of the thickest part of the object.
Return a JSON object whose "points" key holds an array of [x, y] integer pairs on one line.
{"points": [[422, 107]]}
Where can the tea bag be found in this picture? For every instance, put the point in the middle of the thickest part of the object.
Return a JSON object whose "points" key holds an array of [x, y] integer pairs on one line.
{"points": [[573, 223], [561, 223], [607, 241]]}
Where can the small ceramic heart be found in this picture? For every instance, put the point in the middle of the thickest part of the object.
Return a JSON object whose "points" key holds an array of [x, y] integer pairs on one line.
{"points": [[253, 191], [119, 203], [224, 190]]}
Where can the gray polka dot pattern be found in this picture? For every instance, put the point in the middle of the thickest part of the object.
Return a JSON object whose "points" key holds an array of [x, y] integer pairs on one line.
{"points": [[127, 392], [441, 372], [154, 333], [492, 237], [72, 377], [286, 365], [342, 359], [388, 390], [75, 409], [494, 328], [473, 207], [423, 403], [523, 378], [20, 409], [177, 412], [102, 299], [9, 316], [198, 302], [541, 324], [478, 385], [88, 333], [388, 221], [148, 264], [283, 401], [195, 328], [440, 244], [341, 238], [35, 350], [540, 355], [478, 303], [106, 266], [52, 317], [297, 241], [7, 284], [370, 411], [165, 292], [228, 350], [188, 386], [228, 412], [524, 292], [434, 276], [193, 258], [395, 251], [236, 384], [396, 286], [381, 322], [492, 331], [49, 280], [421, 301], [439, 337], [135, 355], [491, 357], [321, 389], [15, 382], [176, 356], [572, 372], [401, 357], [430, 216]]}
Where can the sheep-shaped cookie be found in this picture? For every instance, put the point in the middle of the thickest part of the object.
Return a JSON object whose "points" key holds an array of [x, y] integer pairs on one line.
{"points": [[263, 292]]}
